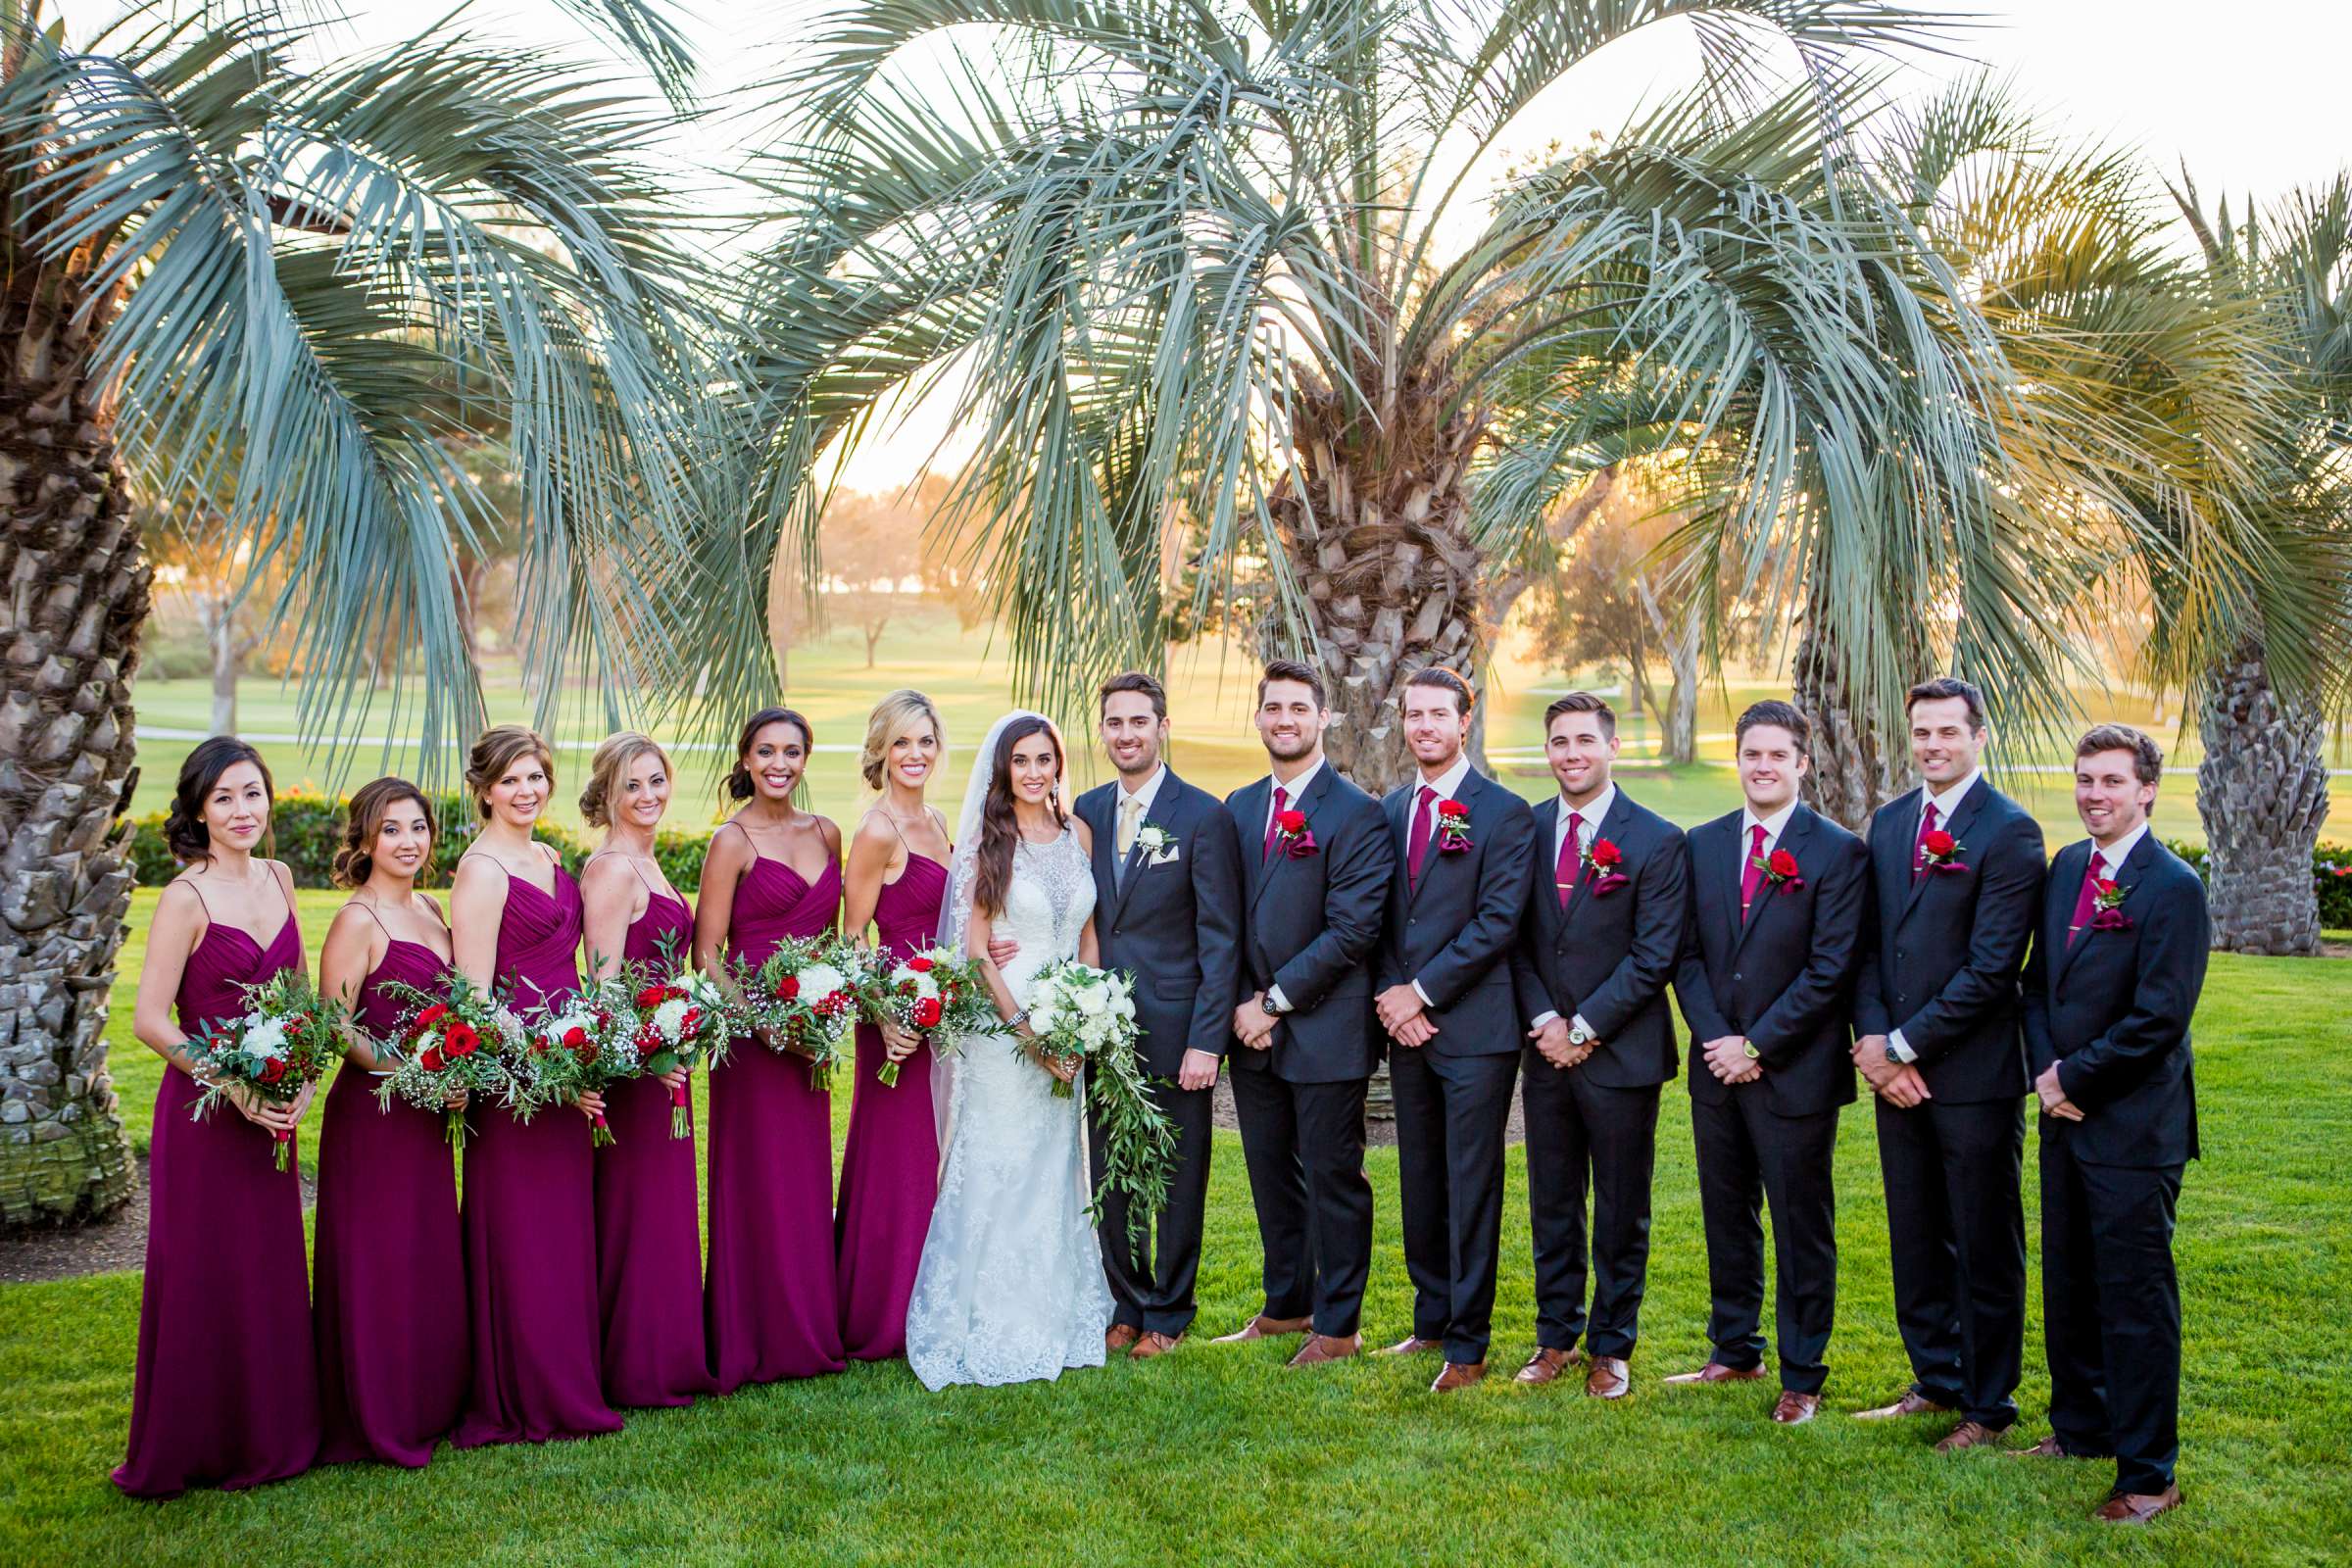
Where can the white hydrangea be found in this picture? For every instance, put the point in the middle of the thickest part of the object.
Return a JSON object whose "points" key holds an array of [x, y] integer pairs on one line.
{"points": [[265, 1038]]}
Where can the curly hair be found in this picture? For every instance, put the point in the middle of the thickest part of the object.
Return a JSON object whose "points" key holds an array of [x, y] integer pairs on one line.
{"points": [[999, 830], [609, 771], [738, 782], [498, 747], [184, 832], [355, 860], [891, 719]]}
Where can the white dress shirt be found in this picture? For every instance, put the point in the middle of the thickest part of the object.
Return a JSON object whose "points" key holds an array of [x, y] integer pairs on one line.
{"points": [[2111, 857], [1446, 784], [1275, 1001], [1945, 804], [1774, 826], [1589, 818], [1141, 799]]}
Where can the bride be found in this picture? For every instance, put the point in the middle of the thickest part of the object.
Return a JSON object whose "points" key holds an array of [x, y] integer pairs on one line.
{"points": [[1010, 1287]]}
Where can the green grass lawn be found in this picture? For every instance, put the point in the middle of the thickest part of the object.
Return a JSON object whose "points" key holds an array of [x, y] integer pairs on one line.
{"points": [[1210, 692], [1217, 1454]]}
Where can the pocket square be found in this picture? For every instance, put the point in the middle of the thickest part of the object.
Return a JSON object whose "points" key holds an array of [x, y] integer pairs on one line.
{"points": [[1167, 856]]}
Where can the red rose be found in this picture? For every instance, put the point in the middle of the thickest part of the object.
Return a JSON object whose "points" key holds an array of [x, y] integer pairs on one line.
{"points": [[575, 1038], [1606, 854], [428, 1018], [1783, 864], [920, 964], [691, 1022], [1290, 821], [1452, 809], [652, 997], [273, 1069], [432, 1059], [926, 1013], [788, 988], [2105, 886], [461, 1042], [1939, 842]]}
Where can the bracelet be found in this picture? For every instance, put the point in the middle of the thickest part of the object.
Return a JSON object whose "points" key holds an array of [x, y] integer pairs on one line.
{"points": [[1017, 1020]]}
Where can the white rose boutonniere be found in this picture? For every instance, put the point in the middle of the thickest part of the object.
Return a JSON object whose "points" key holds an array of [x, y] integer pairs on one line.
{"points": [[1158, 845]]}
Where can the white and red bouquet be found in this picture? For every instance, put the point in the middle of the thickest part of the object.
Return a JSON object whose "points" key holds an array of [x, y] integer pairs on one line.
{"points": [[674, 1021], [803, 999], [284, 1042], [932, 993], [576, 1049], [452, 1042]]}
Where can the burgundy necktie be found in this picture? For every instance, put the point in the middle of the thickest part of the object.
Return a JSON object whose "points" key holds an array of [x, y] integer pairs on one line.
{"points": [[1571, 855], [1754, 877], [1919, 847], [1419, 849], [2086, 899], [1273, 820]]}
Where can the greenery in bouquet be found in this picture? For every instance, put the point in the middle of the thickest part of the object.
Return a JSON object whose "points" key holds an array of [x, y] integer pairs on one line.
{"points": [[283, 1043], [932, 993], [455, 1043], [1086, 1016], [803, 999]]}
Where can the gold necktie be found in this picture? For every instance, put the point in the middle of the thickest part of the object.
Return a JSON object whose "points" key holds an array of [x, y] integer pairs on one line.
{"points": [[1131, 816]]}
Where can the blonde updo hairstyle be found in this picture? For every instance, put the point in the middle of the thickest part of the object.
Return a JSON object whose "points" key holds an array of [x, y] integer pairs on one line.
{"points": [[609, 771], [500, 748], [892, 717]]}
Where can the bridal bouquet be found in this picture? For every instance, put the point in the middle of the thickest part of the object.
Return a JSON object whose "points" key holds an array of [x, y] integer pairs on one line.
{"points": [[805, 998], [453, 1042], [285, 1041], [570, 1050], [933, 992], [1086, 1016], [672, 1020]]}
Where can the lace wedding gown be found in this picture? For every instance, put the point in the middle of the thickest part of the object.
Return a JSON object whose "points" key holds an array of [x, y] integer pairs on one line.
{"points": [[1010, 1287]]}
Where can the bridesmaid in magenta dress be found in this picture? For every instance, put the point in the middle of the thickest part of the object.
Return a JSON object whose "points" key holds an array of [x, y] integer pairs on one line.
{"points": [[530, 1218], [649, 1245], [775, 871], [225, 1393], [389, 1260], [897, 878]]}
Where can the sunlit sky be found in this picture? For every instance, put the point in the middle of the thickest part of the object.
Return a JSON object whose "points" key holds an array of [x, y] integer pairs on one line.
{"points": [[2250, 96]]}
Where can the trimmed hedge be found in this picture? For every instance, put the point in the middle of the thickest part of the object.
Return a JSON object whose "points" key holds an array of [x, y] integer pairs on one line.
{"points": [[306, 828]]}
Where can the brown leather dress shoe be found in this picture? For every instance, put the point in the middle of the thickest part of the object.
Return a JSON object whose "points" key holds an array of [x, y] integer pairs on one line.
{"points": [[1412, 1344], [1609, 1378], [1262, 1327], [1967, 1434], [1322, 1348], [1717, 1372], [2137, 1507], [1547, 1364], [1120, 1335], [1913, 1402], [1795, 1409], [1154, 1343], [1459, 1375]]}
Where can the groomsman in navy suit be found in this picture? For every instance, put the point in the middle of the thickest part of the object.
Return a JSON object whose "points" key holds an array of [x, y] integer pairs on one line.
{"points": [[1779, 898], [1957, 868], [1168, 909], [1597, 947], [2117, 966], [1452, 1021], [1316, 862]]}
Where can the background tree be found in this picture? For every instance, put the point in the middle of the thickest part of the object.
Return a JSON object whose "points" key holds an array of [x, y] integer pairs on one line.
{"points": [[235, 275], [874, 559]]}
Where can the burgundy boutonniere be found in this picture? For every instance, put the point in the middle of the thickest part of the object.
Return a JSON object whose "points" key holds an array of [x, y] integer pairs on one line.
{"points": [[1454, 827], [1603, 858], [1291, 831], [2107, 907], [1780, 871], [1940, 852]]}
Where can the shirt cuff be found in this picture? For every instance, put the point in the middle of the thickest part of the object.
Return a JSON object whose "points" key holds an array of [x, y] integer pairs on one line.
{"points": [[1542, 1018], [1280, 1002], [1423, 995], [1901, 1049], [1579, 1022]]}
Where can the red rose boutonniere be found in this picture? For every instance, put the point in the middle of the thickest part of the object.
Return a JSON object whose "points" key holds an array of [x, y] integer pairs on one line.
{"points": [[1780, 871], [2107, 907], [1940, 852], [1291, 831], [1454, 827], [1603, 858]]}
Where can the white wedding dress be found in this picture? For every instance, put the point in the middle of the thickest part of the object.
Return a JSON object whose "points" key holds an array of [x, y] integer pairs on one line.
{"points": [[1010, 1287]]}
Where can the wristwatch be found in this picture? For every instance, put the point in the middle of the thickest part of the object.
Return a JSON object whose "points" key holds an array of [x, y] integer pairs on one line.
{"points": [[1578, 1035], [1893, 1060], [1751, 1050], [1274, 1008]]}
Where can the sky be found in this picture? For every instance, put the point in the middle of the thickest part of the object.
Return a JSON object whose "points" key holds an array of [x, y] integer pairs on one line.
{"points": [[2250, 97]]}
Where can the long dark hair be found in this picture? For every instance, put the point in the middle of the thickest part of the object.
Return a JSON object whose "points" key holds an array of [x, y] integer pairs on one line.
{"points": [[999, 830], [355, 857], [184, 832], [738, 782]]}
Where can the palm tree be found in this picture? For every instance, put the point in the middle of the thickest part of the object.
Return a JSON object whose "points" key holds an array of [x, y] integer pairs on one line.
{"points": [[228, 275], [1236, 268], [2261, 789]]}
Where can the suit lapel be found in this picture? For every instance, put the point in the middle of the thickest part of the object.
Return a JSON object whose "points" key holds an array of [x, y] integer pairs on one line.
{"points": [[1612, 826], [2127, 878], [1305, 805], [1123, 886], [1964, 817], [1096, 822], [1433, 857], [2067, 879], [1793, 839]]}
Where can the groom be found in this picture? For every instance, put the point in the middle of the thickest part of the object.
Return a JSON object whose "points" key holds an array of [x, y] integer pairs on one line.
{"points": [[1168, 909], [1314, 892]]}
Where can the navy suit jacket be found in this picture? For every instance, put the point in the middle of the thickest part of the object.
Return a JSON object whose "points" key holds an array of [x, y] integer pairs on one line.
{"points": [[1452, 932], [1610, 954], [1948, 945], [1174, 921], [1785, 977], [2112, 1008], [1313, 927]]}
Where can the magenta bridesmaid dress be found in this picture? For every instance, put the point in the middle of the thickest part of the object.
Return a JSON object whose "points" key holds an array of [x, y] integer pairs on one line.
{"points": [[390, 1262], [649, 1245], [769, 1307], [530, 1218], [227, 1391], [890, 1171]]}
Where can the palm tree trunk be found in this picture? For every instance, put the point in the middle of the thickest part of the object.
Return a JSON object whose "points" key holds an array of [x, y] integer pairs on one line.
{"points": [[1858, 763], [77, 584], [2262, 792]]}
